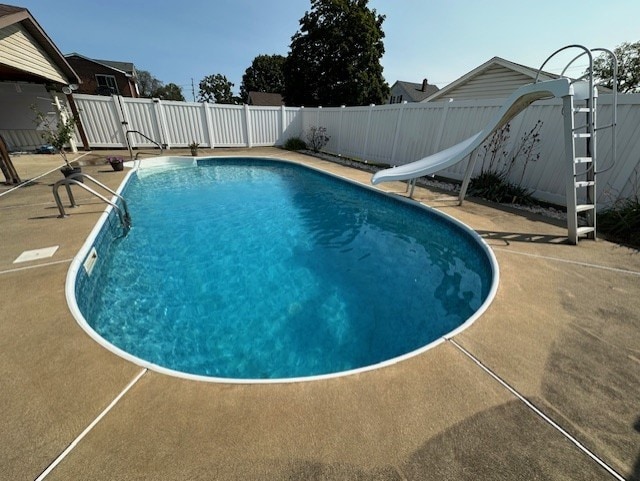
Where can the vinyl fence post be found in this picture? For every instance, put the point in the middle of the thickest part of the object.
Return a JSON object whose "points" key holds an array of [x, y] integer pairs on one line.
{"points": [[208, 125], [339, 146], [302, 115], [62, 113], [283, 126], [443, 121], [397, 134], [247, 125], [122, 118], [366, 138], [161, 122]]}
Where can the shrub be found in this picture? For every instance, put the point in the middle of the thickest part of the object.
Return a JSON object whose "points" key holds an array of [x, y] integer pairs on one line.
{"points": [[57, 133], [317, 138], [622, 221], [295, 143], [494, 187], [493, 183]]}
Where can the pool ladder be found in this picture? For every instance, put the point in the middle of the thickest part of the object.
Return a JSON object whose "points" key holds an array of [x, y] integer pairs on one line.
{"points": [[77, 179]]}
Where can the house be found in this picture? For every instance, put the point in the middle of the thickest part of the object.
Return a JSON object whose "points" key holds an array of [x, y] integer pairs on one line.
{"points": [[265, 99], [32, 72], [410, 92], [105, 77], [495, 79]]}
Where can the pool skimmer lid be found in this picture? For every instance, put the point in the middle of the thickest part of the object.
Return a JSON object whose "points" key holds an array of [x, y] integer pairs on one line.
{"points": [[36, 254]]}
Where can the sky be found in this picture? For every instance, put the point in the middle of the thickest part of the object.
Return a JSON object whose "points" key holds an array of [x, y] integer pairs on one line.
{"points": [[183, 41]]}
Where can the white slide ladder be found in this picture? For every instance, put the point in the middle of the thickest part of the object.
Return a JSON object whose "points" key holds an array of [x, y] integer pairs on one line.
{"points": [[580, 127], [580, 175]]}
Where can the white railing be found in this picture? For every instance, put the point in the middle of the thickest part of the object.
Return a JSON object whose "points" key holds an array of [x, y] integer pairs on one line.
{"points": [[388, 134]]}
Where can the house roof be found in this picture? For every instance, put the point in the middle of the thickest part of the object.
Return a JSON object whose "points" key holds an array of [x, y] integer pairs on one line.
{"points": [[126, 68], [11, 15], [414, 90], [495, 61], [265, 99]]}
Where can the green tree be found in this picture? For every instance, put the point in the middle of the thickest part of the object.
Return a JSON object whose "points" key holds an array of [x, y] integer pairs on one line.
{"points": [[334, 58], [628, 55], [264, 75], [147, 84], [215, 89], [169, 92]]}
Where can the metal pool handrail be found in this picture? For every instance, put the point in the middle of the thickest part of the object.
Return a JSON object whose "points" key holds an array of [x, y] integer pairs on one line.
{"points": [[141, 134], [123, 214]]}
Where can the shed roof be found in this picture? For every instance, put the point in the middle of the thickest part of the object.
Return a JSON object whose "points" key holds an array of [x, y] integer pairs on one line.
{"points": [[126, 68], [265, 99], [18, 16]]}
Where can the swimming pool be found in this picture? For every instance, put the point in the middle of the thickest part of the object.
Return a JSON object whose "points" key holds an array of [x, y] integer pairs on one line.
{"points": [[260, 270]]}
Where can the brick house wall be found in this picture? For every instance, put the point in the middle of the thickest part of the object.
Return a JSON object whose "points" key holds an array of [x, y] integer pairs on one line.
{"points": [[87, 71]]}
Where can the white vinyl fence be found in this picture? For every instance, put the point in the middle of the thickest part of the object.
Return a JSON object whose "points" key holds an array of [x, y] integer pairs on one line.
{"points": [[177, 124], [387, 134], [401, 133]]}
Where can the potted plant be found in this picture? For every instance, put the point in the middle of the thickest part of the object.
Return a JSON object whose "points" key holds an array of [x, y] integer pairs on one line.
{"points": [[117, 163], [194, 148], [57, 135]]}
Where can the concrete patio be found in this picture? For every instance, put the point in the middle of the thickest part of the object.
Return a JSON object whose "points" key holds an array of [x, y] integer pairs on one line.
{"points": [[563, 332]]}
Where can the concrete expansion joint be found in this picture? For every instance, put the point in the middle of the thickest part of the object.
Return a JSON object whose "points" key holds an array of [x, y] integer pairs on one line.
{"points": [[539, 413], [88, 429], [46, 264], [569, 261]]}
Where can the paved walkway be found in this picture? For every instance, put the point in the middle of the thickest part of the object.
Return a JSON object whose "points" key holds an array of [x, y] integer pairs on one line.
{"points": [[545, 385]]}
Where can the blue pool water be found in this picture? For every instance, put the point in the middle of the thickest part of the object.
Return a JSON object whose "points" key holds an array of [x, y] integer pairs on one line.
{"points": [[258, 269]]}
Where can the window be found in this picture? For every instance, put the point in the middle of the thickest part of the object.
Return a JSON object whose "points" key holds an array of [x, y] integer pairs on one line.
{"points": [[107, 84]]}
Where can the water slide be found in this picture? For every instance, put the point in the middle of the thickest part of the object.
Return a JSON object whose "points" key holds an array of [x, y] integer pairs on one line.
{"points": [[516, 103]]}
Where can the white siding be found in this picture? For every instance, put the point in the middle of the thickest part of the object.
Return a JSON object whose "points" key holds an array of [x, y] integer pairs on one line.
{"points": [[494, 83], [18, 49]]}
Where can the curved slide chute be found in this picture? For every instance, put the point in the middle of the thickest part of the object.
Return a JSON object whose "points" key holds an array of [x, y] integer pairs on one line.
{"points": [[516, 103]]}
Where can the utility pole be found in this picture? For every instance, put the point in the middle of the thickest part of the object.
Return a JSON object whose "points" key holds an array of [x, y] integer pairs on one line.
{"points": [[193, 90]]}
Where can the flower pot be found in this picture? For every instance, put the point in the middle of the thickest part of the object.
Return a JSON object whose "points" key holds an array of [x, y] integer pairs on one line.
{"points": [[68, 171], [194, 152], [117, 166]]}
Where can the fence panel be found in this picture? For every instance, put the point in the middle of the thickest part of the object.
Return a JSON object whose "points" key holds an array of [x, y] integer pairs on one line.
{"points": [[418, 132], [140, 115], [382, 131], [229, 127], [100, 120], [622, 177], [186, 123], [264, 123], [292, 120]]}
